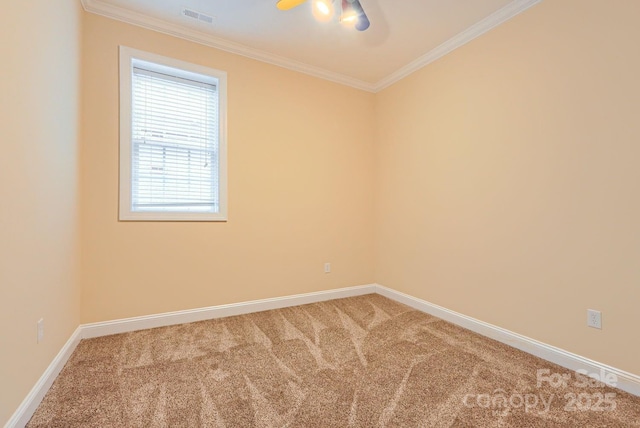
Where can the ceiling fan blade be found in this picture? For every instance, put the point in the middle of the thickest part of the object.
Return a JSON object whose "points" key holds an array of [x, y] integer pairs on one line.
{"points": [[363, 21], [289, 4]]}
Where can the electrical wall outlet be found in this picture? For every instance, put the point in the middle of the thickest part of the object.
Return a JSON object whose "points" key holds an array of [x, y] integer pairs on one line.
{"points": [[327, 268], [594, 318], [40, 330]]}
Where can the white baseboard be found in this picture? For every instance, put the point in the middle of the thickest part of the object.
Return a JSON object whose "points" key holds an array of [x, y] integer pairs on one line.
{"points": [[29, 405], [625, 381], [86, 331], [180, 317]]}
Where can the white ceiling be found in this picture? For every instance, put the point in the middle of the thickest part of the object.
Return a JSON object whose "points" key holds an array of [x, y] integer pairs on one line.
{"points": [[404, 34]]}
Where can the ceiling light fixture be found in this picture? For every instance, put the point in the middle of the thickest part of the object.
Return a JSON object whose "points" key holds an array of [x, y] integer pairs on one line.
{"points": [[349, 16], [350, 12], [322, 9]]}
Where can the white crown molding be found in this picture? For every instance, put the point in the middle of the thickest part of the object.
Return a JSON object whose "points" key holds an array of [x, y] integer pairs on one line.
{"points": [[125, 15], [29, 405], [509, 11], [625, 381]]}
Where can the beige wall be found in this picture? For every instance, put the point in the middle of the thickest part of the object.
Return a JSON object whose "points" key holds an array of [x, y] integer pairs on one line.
{"points": [[502, 184], [509, 182], [300, 189], [39, 72]]}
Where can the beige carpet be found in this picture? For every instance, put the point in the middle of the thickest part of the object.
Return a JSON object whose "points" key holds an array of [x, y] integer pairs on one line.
{"points": [[358, 362]]}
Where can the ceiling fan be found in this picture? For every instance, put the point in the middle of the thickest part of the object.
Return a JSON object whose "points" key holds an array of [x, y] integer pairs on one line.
{"points": [[350, 11]]}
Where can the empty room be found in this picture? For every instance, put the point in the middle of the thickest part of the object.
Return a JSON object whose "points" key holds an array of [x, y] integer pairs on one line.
{"points": [[320, 213]]}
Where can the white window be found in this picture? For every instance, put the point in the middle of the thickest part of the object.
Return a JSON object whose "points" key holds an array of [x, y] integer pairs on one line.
{"points": [[172, 139]]}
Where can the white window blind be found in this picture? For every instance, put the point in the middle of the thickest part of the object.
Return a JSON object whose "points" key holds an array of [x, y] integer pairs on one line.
{"points": [[174, 142]]}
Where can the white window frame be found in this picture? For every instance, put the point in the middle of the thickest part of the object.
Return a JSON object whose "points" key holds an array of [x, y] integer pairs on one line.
{"points": [[182, 69]]}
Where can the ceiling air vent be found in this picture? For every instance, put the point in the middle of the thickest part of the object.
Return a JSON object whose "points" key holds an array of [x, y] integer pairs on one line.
{"points": [[189, 13]]}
